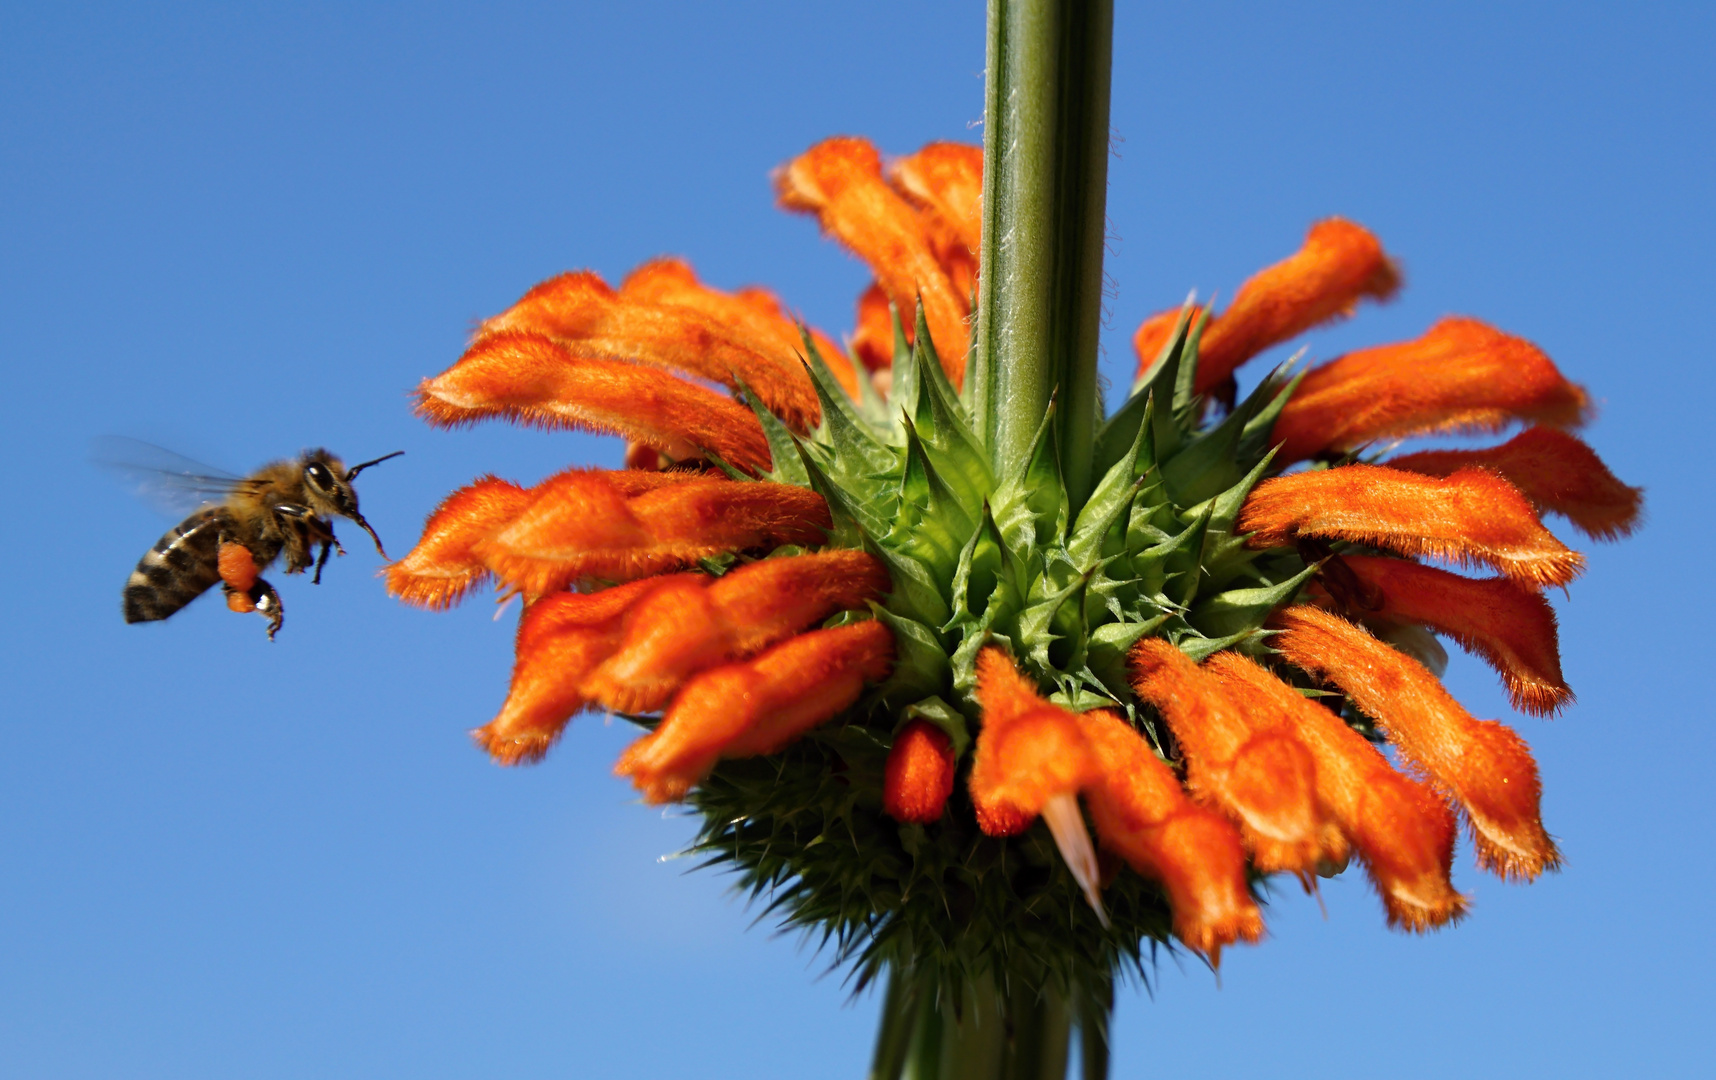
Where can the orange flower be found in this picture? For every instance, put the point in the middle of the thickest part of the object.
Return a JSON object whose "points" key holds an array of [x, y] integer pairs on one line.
{"points": [[919, 774], [444, 565], [1462, 375], [945, 182], [1470, 516], [1402, 831], [840, 181], [1259, 774], [1340, 264], [1510, 627], [756, 707], [1553, 469], [1482, 764]]}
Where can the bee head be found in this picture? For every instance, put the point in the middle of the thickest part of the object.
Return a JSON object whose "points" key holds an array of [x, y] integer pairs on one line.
{"points": [[328, 488]]}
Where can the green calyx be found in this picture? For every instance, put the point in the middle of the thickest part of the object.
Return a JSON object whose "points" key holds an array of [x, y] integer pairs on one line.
{"points": [[1066, 587]]}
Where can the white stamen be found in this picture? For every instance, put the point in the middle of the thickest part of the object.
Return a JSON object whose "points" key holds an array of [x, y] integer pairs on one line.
{"points": [[1066, 824]]}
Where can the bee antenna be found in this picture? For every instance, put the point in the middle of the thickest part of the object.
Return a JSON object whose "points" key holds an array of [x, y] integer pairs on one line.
{"points": [[351, 474]]}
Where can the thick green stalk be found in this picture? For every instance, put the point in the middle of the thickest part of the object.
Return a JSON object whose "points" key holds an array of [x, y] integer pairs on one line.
{"points": [[1039, 300]]}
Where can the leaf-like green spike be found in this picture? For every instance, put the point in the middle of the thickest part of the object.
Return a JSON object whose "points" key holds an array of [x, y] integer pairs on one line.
{"points": [[1257, 438], [933, 710], [854, 520], [943, 503], [1188, 406], [1037, 623], [1202, 648], [870, 406], [1031, 506], [929, 363], [903, 374], [783, 446], [915, 595], [921, 666], [983, 564], [1241, 609], [1113, 496], [842, 429]]}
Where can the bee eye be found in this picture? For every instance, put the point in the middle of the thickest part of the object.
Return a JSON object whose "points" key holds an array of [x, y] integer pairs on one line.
{"points": [[319, 475]]}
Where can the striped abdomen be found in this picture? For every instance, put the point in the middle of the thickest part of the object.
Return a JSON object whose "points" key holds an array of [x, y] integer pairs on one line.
{"points": [[178, 569]]}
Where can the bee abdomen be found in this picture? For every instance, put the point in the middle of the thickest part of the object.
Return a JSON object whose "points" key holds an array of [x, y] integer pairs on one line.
{"points": [[178, 569]]}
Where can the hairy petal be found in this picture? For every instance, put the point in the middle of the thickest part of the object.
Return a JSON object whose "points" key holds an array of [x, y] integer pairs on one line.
{"points": [[1461, 375], [1143, 815], [580, 526], [1262, 778], [752, 316], [919, 775], [757, 707], [1553, 469], [444, 565], [840, 181], [1340, 264], [944, 181], [1023, 761], [1483, 764], [1511, 627], [1471, 517], [1403, 831], [559, 638], [873, 339], [532, 379], [692, 624]]}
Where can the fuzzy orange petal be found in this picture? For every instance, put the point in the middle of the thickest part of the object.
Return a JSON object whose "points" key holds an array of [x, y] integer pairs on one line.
{"points": [[944, 181], [1264, 779], [1340, 264], [1471, 517], [559, 638], [1510, 627], [580, 312], [1483, 764], [873, 340], [1022, 763], [535, 380], [444, 565], [918, 777], [1553, 469], [756, 707], [1402, 830], [580, 525], [753, 316], [1461, 375], [680, 630], [840, 181], [1142, 814]]}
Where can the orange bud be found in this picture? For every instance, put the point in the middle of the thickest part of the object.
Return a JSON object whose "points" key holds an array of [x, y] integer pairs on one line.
{"points": [[1553, 469], [1262, 778], [1402, 830], [1481, 763], [757, 707], [1471, 517], [751, 316], [582, 314], [692, 624], [444, 565], [1143, 815], [919, 774], [533, 379], [237, 567], [840, 181], [1510, 627], [560, 638], [579, 526], [1340, 264], [1461, 375]]}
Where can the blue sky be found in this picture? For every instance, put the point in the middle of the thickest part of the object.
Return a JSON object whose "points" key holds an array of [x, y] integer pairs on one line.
{"points": [[240, 230]]}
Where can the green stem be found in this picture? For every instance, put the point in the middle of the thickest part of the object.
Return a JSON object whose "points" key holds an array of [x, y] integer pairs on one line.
{"points": [[1039, 299]]}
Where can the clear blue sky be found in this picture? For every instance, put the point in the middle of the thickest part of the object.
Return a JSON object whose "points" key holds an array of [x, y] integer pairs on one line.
{"points": [[241, 230]]}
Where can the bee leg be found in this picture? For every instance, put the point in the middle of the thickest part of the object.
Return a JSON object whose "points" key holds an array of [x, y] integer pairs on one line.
{"points": [[268, 604], [322, 560]]}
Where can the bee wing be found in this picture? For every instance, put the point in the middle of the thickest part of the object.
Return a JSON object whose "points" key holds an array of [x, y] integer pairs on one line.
{"points": [[171, 483]]}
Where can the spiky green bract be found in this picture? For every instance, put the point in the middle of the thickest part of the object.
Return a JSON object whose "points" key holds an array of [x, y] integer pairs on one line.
{"points": [[1067, 589]]}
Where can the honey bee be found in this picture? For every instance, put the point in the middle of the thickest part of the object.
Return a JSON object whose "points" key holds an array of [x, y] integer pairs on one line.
{"points": [[242, 526]]}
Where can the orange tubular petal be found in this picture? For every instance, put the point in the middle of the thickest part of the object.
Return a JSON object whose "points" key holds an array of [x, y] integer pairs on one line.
{"points": [[873, 340], [840, 181], [945, 182], [1482, 763], [580, 526], [1553, 469], [1461, 375], [1264, 779], [919, 774], [1022, 763], [559, 638], [535, 380], [1142, 814], [1340, 264], [1510, 627], [757, 707], [444, 565], [753, 316], [1404, 833], [1469, 517], [580, 312], [680, 630]]}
